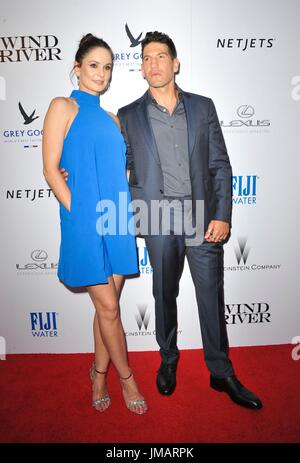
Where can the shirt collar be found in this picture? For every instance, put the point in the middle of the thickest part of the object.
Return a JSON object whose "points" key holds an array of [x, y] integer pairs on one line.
{"points": [[152, 100]]}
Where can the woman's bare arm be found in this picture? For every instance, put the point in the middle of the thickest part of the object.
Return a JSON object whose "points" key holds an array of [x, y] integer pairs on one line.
{"points": [[55, 125]]}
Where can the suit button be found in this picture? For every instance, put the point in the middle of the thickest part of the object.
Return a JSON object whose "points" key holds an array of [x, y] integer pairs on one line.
{"points": [[161, 191]]}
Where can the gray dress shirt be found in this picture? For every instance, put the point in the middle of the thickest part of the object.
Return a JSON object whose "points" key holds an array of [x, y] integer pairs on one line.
{"points": [[171, 136]]}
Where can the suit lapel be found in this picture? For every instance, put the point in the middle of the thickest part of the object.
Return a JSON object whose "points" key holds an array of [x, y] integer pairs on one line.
{"points": [[146, 129], [191, 123]]}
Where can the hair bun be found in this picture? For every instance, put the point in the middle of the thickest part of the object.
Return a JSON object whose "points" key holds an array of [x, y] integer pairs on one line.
{"points": [[86, 38]]}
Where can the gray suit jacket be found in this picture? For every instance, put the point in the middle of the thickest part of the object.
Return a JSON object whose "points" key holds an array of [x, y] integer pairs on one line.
{"points": [[210, 168]]}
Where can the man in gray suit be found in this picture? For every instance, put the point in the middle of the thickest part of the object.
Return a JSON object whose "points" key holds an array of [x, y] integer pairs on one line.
{"points": [[176, 151]]}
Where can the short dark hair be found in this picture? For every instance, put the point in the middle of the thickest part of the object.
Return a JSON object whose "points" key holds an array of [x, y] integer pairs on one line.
{"points": [[159, 37]]}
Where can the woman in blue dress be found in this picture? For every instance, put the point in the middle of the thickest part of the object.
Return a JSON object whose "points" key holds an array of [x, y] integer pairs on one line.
{"points": [[82, 138]]}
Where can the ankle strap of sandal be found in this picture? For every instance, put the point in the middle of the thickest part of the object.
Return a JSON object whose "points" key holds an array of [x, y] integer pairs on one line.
{"points": [[124, 379], [101, 372]]}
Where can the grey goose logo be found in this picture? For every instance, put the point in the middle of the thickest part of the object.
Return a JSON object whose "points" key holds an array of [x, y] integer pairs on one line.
{"points": [[27, 119], [242, 251], [133, 42], [245, 110], [142, 318], [38, 255]]}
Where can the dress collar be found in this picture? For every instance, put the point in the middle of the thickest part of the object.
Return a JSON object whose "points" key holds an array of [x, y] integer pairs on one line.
{"points": [[85, 98]]}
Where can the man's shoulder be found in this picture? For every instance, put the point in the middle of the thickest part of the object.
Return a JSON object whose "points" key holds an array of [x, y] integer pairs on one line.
{"points": [[129, 107], [195, 97]]}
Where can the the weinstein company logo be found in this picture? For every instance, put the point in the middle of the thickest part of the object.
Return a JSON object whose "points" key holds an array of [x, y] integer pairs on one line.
{"points": [[27, 119], [29, 48], [245, 120], [142, 318], [242, 251], [127, 58]]}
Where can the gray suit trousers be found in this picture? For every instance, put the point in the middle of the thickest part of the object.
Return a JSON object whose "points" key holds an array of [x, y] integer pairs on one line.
{"points": [[167, 254]]}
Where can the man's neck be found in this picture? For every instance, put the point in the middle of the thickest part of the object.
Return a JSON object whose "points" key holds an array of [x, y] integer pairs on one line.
{"points": [[165, 96]]}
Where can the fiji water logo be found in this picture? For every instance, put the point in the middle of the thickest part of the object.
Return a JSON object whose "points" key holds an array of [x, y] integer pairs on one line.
{"points": [[144, 263], [44, 324], [244, 189], [129, 58]]}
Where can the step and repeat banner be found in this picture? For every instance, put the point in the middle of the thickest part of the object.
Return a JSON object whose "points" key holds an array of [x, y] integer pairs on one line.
{"points": [[246, 57]]}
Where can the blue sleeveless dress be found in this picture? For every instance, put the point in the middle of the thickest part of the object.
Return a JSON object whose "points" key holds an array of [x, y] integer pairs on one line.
{"points": [[94, 244]]}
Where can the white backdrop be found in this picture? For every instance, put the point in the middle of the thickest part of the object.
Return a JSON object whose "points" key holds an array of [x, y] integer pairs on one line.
{"points": [[246, 56]]}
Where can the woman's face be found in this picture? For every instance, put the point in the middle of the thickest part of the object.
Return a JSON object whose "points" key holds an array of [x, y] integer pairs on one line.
{"points": [[94, 73]]}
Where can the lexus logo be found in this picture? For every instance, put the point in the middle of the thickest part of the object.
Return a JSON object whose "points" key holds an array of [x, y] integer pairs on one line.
{"points": [[142, 318], [39, 255], [245, 110]]}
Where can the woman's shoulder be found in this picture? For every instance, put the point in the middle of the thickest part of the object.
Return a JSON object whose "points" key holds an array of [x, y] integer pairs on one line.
{"points": [[62, 102], [61, 106]]}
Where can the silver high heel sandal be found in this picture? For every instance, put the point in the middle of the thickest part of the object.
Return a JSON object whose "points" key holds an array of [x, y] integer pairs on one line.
{"points": [[104, 402], [132, 404]]}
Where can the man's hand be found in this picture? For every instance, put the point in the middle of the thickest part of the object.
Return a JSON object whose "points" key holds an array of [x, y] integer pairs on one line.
{"points": [[217, 231], [64, 174]]}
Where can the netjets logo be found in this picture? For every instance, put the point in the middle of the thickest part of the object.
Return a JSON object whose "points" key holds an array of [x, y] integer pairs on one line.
{"points": [[27, 119], [142, 318], [245, 111], [39, 255], [134, 42], [242, 251]]}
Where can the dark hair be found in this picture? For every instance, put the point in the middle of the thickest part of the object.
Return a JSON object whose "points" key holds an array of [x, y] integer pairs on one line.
{"points": [[87, 43], [159, 37]]}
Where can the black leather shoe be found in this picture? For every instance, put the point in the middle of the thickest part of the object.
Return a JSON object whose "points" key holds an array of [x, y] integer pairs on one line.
{"points": [[236, 391], [166, 379]]}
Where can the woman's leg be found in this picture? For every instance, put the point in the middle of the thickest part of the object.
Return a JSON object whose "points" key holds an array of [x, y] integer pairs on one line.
{"points": [[101, 354], [110, 340]]}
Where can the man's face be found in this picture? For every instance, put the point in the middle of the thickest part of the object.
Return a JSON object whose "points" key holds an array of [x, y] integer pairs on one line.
{"points": [[158, 67]]}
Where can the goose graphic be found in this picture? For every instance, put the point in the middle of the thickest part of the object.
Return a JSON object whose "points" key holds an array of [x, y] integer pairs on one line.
{"points": [[134, 42], [27, 119]]}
